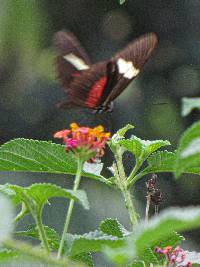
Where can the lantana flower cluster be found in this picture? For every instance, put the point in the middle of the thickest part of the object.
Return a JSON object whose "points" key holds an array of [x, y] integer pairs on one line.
{"points": [[86, 143], [174, 257]]}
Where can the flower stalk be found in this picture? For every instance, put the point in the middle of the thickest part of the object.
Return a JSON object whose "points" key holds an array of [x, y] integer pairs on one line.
{"points": [[130, 207], [86, 144], [41, 230], [123, 186], [37, 215], [70, 209]]}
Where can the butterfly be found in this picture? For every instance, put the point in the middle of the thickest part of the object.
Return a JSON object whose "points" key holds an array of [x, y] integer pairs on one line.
{"points": [[95, 86]]}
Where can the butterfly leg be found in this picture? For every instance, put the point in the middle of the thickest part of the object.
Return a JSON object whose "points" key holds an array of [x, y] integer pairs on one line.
{"points": [[104, 108]]}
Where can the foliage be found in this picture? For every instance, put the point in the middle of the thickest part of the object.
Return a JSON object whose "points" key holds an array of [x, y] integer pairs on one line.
{"points": [[188, 104], [38, 156], [159, 231], [188, 156], [122, 247]]}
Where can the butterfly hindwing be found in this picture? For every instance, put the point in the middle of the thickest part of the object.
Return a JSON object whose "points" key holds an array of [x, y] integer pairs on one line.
{"points": [[96, 86], [87, 89], [71, 56]]}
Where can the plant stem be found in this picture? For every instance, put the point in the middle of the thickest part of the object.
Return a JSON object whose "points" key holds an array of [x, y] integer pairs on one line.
{"points": [[70, 209], [41, 230], [18, 217], [123, 185], [129, 205], [134, 171], [37, 215], [137, 177]]}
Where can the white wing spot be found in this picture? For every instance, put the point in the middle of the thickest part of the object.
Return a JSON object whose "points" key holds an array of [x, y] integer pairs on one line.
{"points": [[77, 62], [127, 68]]}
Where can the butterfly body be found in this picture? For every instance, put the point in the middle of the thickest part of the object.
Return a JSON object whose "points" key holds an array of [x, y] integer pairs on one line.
{"points": [[95, 86]]}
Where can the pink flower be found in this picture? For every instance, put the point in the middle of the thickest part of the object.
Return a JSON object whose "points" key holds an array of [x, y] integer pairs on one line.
{"points": [[86, 143], [174, 257], [70, 143]]}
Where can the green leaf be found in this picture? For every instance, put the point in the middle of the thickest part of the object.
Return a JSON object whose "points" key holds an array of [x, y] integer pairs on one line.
{"points": [[163, 226], [159, 231], [92, 242], [52, 236], [7, 255], [113, 227], [192, 149], [188, 104], [188, 153], [142, 148], [119, 256], [122, 255], [127, 253], [161, 161], [85, 258], [148, 257], [119, 135], [173, 239], [121, 132], [164, 161], [35, 255], [39, 156], [10, 193], [40, 193], [137, 263]]}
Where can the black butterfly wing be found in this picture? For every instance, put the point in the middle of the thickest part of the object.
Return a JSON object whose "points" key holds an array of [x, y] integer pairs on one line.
{"points": [[86, 90], [135, 55], [71, 55], [94, 85], [99, 84]]}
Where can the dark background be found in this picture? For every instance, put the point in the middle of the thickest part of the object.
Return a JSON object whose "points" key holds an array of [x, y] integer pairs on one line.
{"points": [[30, 92]]}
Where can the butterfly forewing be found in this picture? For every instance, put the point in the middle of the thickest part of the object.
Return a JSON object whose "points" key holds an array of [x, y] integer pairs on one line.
{"points": [[69, 51], [96, 86], [139, 50], [134, 55]]}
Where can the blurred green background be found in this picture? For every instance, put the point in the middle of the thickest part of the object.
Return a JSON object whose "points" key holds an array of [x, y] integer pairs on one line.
{"points": [[30, 91]]}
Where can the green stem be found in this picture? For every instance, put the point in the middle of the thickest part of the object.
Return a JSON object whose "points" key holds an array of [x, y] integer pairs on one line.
{"points": [[130, 207], [123, 185], [41, 230], [134, 171], [37, 215], [70, 209], [19, 216], [137, 177], [120, 167]]}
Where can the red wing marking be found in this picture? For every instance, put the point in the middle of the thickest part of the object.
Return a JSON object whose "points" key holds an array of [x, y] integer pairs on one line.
{"points": [[95, 92], [76, 74]]}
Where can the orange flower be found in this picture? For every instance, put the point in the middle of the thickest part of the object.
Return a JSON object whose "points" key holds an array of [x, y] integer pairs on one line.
{"points": [[86, 143]]}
